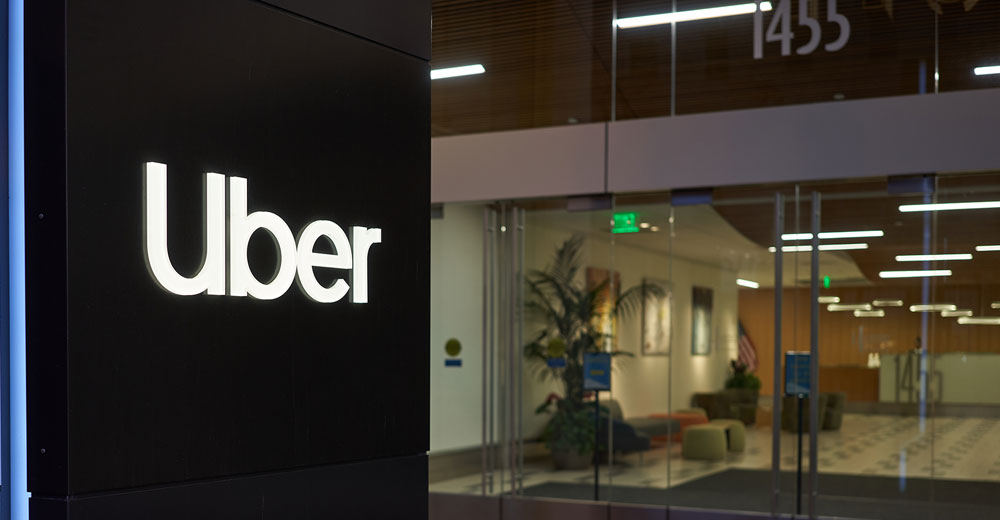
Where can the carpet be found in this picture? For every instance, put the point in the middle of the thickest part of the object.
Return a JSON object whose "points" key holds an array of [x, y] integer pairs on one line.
{"points": [[850, 496]]}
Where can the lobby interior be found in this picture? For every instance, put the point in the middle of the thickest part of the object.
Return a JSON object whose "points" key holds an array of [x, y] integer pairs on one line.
{"points": [[533, 156]]}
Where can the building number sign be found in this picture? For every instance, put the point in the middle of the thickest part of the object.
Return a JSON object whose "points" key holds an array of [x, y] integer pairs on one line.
{"points": [[780, 30]]}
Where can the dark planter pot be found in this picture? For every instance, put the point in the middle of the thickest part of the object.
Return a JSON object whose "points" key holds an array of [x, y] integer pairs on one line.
{"points": [[571, 459]]}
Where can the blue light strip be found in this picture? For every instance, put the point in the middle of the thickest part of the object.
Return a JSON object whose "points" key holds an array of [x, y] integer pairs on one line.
{"points": [[15, 170]]}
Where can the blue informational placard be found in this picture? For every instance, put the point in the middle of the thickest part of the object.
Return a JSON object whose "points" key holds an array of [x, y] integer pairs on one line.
{"points": [[597, 371], [797, 373], [453, 362], [556, 362]]}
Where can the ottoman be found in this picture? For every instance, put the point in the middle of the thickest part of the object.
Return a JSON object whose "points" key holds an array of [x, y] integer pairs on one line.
{"points": [[736, 431], [704, 442], [684, 420]]}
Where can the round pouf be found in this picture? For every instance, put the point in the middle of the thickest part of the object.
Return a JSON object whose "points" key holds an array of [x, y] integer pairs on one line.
{"points": [[736, 431], [704, 442]]}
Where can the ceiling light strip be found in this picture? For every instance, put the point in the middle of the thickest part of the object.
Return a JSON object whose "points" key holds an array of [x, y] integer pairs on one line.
{"points": [[988, 248], [979, 320], [888, 303], [687, 16], [828, 299], [934, 307], [956, 313], [932, 258], [837, 307], [454, 72], [878, 313], [747, 283], [822, 247], [950, 206], [915, 274], [985, 71]]}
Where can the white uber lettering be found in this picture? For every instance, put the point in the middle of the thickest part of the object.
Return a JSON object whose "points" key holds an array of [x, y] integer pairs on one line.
{"points": [[211, 276], [296, 259]]}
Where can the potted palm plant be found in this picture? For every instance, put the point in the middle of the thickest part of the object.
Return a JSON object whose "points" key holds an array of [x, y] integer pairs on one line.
{"points": [[569, 312]]}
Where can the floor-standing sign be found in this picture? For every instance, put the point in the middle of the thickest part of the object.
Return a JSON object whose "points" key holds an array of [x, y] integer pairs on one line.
{"points": [[797, 384], [226, 221], [597, 377]]}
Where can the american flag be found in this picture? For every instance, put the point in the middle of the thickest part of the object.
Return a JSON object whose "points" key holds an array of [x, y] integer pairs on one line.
{"points": [[748, 352]]}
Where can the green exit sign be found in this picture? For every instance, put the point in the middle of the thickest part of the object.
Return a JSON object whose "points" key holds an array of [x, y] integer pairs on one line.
{"points": [[826, 282], [626, 223]]}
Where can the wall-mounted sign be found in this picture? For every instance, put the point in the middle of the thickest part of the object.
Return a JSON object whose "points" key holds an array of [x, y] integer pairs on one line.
{"points": [[780, 28], [453, 348]]}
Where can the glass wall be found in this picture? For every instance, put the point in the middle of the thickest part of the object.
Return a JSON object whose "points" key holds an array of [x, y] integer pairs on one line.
{"points": [[682, 291], [548, 63]]}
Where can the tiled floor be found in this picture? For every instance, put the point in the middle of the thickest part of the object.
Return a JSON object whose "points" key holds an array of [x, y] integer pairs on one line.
{"points": [[948, 448]]}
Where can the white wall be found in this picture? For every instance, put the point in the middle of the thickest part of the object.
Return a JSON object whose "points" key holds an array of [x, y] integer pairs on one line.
{"points": [[456, 312]]}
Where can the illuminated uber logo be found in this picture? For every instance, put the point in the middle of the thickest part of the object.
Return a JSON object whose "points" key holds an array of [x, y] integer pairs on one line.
{"points": [[296, 261]]}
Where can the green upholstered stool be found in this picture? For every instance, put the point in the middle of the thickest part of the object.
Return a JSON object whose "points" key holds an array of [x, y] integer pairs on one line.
{"points": [[704, 442], [735, 430], [699, 411]]}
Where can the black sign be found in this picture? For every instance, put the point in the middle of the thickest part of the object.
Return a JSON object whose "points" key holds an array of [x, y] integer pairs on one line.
{"points": [[220, 404]]}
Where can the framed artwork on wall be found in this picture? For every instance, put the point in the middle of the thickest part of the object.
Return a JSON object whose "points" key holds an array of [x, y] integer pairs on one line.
{"points": [[656, 319], [604, 319], [701, 321]]}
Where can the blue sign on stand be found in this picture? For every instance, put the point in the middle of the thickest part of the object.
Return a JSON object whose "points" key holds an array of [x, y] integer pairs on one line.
{"points": [[597, 371], [797, 373]]}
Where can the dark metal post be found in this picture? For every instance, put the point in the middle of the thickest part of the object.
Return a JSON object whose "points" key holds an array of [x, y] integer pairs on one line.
{"points": [[597, 443], [798, 472], [814, 358], [779, 227]]}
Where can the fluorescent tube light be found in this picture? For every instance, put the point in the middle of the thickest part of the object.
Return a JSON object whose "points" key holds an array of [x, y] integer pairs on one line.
{"points": [[934, 307], [454, 72], [828, 299], [835, 307], [747, 283], [956, 314], [888, 303], [931, 258], [979, 320], [950, 206], [879, 313], [686, 16], [822, 247], [826, 235], [915, 274], [995, 305], [980, 71], [988, 248]]}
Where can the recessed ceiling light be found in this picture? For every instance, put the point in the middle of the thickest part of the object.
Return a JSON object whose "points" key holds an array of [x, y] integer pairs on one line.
{"points": [[835, 307], [747, 283], [934, 307], [915, 274], [979, 320], [454, 72], [828, 299], [957, 313], [696, 14], [826, 235], [878, 313], [988, 248], [644, 225], [888, 303], [984, 71], [822, 247], [995, 305], [950, 206], [931, 258], [654, 228]]}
